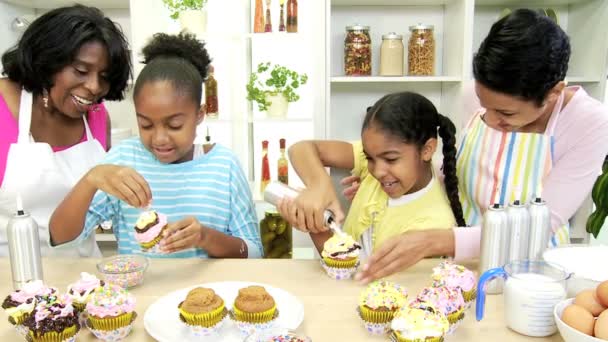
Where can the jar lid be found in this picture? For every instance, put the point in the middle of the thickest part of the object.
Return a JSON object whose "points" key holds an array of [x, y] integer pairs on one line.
{"points": [[272, 213], [357, 27], [421, 27], [392, 35]]}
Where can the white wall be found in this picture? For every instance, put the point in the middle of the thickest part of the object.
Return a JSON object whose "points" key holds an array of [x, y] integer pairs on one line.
{"points": [[8, 13]]}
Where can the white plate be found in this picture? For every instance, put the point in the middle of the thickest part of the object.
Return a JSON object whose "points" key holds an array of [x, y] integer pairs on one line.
{"points": [[161, 319]]}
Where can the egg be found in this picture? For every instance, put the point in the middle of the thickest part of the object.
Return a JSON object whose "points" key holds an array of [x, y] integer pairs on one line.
{"points": [[601, 326], [588, 300], [602, 293], [579, 318]]}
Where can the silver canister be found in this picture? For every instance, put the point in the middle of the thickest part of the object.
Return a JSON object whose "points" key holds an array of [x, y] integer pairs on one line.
{"points": [[540, 228], [275, 191], [24, 249], [519, 231], [494, 244]]}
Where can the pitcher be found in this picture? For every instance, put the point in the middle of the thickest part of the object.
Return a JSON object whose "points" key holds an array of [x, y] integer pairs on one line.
{"points": [[532, 289]]}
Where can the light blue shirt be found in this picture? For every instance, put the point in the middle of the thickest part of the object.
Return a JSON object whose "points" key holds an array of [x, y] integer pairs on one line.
{"points": [[212, 187]]}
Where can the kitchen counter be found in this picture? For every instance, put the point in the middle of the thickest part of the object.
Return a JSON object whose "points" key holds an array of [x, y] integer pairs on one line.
{"points": [[329, 304]]}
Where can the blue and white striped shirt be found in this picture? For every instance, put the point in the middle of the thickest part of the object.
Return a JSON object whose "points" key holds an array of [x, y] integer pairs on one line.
{"points": [[211, 187]]}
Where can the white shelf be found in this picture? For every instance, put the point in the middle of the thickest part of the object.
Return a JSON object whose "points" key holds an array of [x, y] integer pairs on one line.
{"points": [[48, 4], [532, 3], [393, 79], [583, 79], [390, 2], [105, 237], [279, 120]]}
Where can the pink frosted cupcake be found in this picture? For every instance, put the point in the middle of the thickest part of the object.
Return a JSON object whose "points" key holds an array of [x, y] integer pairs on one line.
{"points": [[111, 311], [456, 276], [53, 320], [149, 230], [20, 304], [447, 300], [80, 292]]}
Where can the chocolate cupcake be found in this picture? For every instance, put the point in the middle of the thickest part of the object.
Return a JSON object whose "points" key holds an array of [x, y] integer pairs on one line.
{"points": [[149, 229], [53, 320]]}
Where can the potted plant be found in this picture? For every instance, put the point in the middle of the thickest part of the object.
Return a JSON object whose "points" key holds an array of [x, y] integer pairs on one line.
{"points": [[192, 14], [273, 88], [597, 220]]}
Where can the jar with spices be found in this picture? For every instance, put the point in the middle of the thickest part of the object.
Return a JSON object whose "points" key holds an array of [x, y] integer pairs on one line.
{"points": [[391, 55], [357, 51], [277, 238], [421, 51]]}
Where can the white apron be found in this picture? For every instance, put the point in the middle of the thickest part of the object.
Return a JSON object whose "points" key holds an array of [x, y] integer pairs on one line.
{"points": [[43, 178]]}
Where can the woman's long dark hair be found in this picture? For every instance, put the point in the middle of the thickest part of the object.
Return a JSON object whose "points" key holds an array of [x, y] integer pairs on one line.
{"points": [[414, 119]]}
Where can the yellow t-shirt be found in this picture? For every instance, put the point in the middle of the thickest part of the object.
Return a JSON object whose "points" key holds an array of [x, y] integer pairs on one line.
{"points": [[370, 206]]}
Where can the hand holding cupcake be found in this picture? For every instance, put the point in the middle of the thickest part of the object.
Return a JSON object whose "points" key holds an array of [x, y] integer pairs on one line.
{"points": [[149, 230]]}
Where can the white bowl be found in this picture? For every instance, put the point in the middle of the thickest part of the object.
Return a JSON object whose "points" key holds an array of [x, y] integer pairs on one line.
{"points": [[570, 334], [582, 261]]}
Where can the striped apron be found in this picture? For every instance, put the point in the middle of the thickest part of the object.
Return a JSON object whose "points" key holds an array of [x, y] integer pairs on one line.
{"points": [[495, 163]]}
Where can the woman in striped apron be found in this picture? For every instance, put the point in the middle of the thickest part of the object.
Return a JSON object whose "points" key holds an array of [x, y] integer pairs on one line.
{"points": [[534, 136]]}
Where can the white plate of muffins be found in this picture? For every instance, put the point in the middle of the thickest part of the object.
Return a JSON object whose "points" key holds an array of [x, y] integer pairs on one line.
{"points": [[163, 322]]}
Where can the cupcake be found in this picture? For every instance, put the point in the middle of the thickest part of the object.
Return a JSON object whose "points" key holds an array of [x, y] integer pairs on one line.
{"points": [[20, 304], [378, 304], [447, 300], [81, 290], [340, 256], [421, 322], [53, 320], [203, 311], [456, 276], [254, 310], [111, 311], [149, 229]]}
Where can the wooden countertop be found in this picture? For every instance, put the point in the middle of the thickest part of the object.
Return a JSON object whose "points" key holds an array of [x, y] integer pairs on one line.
{"points": [[329, 304]]}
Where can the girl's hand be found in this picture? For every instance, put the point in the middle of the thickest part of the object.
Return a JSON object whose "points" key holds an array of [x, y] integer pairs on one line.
{"points": [[183, 234], [395, 255], [121, 182], [305, 212], [351, 184]]}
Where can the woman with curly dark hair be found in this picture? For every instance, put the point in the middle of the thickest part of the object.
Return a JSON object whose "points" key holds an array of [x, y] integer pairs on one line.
{"points": [[54, 124], [202, 195]]}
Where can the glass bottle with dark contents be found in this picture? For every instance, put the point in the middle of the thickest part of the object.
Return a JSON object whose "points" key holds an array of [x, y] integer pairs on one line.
{"points": [[277, 238]]}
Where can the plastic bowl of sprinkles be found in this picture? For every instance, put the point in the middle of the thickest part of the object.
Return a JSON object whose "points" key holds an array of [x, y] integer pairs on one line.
{"points": [[277, 335], [124, 270]]}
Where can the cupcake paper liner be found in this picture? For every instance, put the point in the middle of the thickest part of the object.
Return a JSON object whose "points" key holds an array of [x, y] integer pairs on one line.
{"points": [[198, 331], [373, 316], [375, 328], [469, 297], [395, 337], [18, 318], [113, 335], [83, 316], [148, 245], [254, 317], [338, 263], [111, 323], [68, 334], [22, 330], [455, 319], [205, 319], [339, 273], [79, 306], [248, 328]]}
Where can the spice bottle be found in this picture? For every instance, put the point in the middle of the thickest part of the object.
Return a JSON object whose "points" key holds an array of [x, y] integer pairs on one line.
{"points": [[211, 100], [421, 51], [265, 167], [292, 16], [268, 21], [357, 51], [283, 164], [258, 21]]}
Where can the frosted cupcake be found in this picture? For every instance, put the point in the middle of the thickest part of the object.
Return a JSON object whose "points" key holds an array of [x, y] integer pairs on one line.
{"points": [[447, 300], [340, 256], [378, 304], [80, 292], [111, 311], [421, 322], [53, 320], [20, 304], [203, 311], [149, 230], [254, 310], [456, 276]]}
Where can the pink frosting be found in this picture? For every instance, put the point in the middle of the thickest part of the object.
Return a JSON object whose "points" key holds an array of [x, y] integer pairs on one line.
{"points": [[453, 275], [87, 283], [110, 301], [448, 300], [55, 307], [154, 231], [31, 290]]}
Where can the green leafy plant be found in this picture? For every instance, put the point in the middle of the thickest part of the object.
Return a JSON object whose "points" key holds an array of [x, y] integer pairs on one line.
{"points": [[176, 6], [273, 81], [599, 194]]}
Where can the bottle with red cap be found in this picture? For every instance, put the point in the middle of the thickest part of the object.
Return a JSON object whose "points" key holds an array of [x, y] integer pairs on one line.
{"points": [[283, 164]]}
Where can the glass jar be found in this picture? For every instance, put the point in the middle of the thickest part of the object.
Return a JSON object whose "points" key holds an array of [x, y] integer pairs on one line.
{"points": [[421, 51], [277, 238], [357, 51], [391, 55]]}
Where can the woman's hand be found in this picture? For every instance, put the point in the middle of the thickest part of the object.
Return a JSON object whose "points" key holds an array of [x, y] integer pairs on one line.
{"points": [[183, 234], [305, 212], [121, 182], [351, 184]]}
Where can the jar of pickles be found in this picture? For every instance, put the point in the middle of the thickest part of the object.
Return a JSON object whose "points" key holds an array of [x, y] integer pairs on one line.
{"points": [[421, 51], [357, 51], [276, 236]]}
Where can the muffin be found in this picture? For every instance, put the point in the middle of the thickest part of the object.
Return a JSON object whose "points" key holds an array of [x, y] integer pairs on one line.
{"points": [[149, 229], [254, 310], [340, 256], [111, 311], [81, 290], [19, 304], [378, 304], [53, 320], [420, 322], [447, 300], [456, 276], [203, 311]]}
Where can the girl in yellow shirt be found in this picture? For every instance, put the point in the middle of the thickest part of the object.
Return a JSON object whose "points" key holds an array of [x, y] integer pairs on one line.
{"points": [[399, 191]]}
